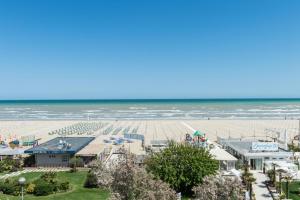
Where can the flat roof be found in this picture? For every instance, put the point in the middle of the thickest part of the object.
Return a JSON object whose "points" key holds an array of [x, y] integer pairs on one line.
{"points": [[11, 152], [244, 147], [61, 145], [91, 150], [221, 154]]}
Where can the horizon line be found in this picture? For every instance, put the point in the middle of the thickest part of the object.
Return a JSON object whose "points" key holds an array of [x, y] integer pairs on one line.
{"points": [[154, 99]]}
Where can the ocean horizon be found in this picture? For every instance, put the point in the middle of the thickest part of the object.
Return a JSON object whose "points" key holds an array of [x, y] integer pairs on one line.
{"points": [[97, 109]]}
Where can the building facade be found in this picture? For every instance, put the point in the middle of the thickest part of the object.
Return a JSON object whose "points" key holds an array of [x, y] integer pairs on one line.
{"points": [[58, 151], [254, 152]]}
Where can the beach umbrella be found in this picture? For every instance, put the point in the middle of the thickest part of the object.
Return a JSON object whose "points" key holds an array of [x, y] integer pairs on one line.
{"points": [[198, 133]]}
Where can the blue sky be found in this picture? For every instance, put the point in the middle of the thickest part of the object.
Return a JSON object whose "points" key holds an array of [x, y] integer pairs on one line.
{"points": [[54, 49]]}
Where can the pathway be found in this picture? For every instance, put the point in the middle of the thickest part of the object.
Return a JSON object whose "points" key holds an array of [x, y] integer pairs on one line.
{"points": [[28, 170], [259, 188]]}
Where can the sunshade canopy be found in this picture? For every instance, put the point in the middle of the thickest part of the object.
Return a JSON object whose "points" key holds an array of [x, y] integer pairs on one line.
{"points": [[198, 133]]}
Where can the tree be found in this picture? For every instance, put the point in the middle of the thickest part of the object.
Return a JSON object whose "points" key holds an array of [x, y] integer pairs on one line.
{"points": [[248, 179], [75, 162], [128, 181], [288, 179], [280, 172], [131, 182], [182, 166], [91, 180], [271, 175], [219, 188], [102, 173]]}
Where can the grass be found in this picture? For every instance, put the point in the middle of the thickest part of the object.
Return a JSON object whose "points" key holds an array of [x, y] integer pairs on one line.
{"points": [[78, 192], [294, 190]]}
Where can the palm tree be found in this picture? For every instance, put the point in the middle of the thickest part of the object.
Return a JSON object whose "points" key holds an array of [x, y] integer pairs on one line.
{"points": [[288, 179], [280, 171], [274, 175], [248, 179]]}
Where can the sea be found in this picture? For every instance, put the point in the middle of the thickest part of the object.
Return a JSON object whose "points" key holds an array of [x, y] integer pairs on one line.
{"points": [[150, 109]]}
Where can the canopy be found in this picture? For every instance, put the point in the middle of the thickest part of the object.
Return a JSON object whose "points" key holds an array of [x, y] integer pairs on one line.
{"points": [[198, 133]]}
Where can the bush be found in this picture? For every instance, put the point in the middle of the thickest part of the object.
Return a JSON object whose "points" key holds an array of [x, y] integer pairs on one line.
{"points": [[10, 187], [30, 188], [64, 186], [49, 177], [91, 181], [10, 165], [218, 187], [76, 162], [43, 188], [29, 161]]}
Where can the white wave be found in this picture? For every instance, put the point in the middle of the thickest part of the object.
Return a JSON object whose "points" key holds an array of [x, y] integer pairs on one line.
{"points": [[11, 108], [92, 111], [10, 111], [39, 111], [138, 108], [168, 114]]}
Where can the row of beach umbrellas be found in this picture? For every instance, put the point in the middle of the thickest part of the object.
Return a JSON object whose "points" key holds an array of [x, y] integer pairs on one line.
{"points": [[81, 128]]}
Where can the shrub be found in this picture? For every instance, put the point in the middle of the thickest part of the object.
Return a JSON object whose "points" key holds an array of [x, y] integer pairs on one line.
{"points": [[217, 187], [10, 187], [55, 185], [91, 180], [64, 186], [43, 188], [49, 176], [76, 162], [29, 161], [14, 169], [10, 165], [30, 188]]}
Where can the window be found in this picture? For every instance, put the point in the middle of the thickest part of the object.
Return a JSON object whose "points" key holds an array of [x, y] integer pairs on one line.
{"points": [[65, 159], [51, 156]]}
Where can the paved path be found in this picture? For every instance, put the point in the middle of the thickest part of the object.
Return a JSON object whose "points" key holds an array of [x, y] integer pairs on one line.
{"points": [[259, 188], [28, 170]]}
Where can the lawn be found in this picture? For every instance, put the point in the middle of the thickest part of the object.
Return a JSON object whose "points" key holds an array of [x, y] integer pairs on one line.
{"points": [[78, 192], [294, 190]]}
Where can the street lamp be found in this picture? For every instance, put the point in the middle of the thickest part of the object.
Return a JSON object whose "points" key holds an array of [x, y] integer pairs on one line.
{"points": [[22, 181]]}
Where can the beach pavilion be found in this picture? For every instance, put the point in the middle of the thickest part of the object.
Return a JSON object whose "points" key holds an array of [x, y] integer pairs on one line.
{"points": [[255, 153], [58, 151]]}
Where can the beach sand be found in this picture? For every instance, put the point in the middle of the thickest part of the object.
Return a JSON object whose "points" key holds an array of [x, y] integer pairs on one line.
{"points": [[159, 129]]}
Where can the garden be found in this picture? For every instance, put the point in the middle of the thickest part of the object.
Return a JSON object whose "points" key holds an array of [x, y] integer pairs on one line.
{"points": [[60, 185], [294, 190]]}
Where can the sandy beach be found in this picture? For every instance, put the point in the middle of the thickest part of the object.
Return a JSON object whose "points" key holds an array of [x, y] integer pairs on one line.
{"points": [[156, 129]]}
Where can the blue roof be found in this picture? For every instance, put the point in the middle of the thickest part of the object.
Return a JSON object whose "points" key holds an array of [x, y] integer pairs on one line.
{"points": [[61, 145]]}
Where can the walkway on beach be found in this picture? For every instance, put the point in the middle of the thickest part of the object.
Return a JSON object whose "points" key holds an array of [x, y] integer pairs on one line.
{"points": [[259, 188]]}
